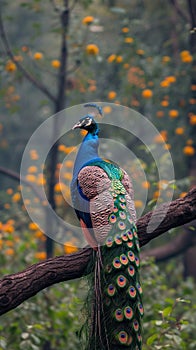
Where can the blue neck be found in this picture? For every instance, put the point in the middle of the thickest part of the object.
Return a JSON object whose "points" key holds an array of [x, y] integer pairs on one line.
{"points": [[88, 151]]}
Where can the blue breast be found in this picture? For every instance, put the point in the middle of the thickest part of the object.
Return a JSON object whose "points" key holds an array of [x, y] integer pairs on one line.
{"points": [[88, 152]]}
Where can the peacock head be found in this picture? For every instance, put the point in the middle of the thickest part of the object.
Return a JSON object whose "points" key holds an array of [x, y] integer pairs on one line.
{"points": [[87, 123]]}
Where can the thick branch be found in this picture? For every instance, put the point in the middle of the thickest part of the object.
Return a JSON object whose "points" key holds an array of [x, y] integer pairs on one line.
{"points": [[16, 288], [179, 212], [20, 67]]}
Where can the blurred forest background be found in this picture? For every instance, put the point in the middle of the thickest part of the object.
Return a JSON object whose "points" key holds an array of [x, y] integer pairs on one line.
{"points": [[56, 54]]}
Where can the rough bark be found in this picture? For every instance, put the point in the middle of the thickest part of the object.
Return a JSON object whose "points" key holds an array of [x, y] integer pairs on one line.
{"points": [[16, 288]]}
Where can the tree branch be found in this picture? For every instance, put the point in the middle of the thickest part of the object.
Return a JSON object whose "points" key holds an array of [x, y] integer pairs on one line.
{"points": [[15, 176], [20, 67], [175, 247], [182, 14], [16, 288]]}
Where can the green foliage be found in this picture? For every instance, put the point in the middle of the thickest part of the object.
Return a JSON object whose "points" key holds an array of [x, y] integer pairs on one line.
{"points": [[54, 316], [169, 321]]}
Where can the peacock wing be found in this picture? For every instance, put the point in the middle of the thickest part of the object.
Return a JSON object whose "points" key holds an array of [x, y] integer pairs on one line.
{"points": [[95, 184]]}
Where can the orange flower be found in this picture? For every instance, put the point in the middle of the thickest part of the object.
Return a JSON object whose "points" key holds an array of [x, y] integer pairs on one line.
{"points": [[146, 184], [165, 83], [10, 66], [182, 194], [33, 154], [40, 255], [31, 178], [164, 103], [111, 95], [38, 56], [67, 176], [189, 150], [9, 251], [107, 109], [9, 191], [41, 181], [186, 57], [55, 63], [162, 137], [173, 113], [62, 148], [39, 234], [111, 58], [147, 93], [69, 163], [160, 114], [32, 169], [193, 119], [138, 203], [9, 243], [128, 40], [171, 79], [60, 187], [33, 226], [167, 146], [119, 59], [70, 248], [87, 20], [179, 131], [166, 59], [16, 197], [92, 49], [125, 29], [140, 52]]}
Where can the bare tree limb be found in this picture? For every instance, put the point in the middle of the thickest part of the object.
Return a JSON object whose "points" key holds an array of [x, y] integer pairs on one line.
{"points": [[178, 9], [15, 176], [20, 67], [175, 247], [16, 288]]}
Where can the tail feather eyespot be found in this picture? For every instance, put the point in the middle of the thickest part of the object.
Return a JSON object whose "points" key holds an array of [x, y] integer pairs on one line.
{"points": [[124, 237], [128, 312], [137, 261], [130, 244], [132, 291], [141, 309], [123, 259], [136, 325], [112, 218], [131, 256], [121, 225], [122, 337], [122, 215], [130, 235], [118, 239], [121, 281], [139, 288], [109, 242], [111, 290], [118, 315], [131, 271], [116, 263]]}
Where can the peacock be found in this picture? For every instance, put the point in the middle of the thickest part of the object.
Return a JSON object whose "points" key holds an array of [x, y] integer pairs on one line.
{"points": [[102, 197]]}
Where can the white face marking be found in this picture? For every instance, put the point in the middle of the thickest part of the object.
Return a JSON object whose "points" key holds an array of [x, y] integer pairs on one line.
{"points": [[89, 121]]}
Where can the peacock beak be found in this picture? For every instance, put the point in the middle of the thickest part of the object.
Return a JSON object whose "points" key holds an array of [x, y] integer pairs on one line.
{"points": [[77, 126]]}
